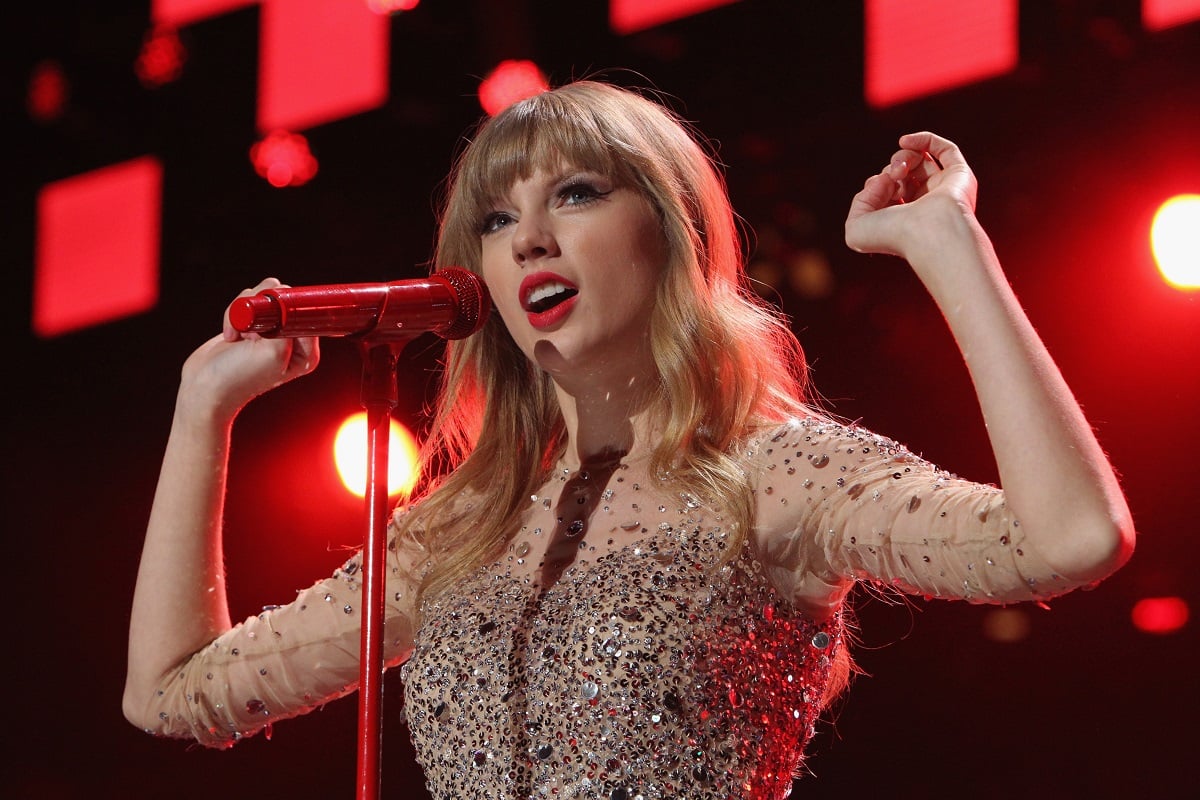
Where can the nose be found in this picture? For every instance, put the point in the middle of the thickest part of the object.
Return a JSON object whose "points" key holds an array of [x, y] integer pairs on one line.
{"points": [[533, 240]]}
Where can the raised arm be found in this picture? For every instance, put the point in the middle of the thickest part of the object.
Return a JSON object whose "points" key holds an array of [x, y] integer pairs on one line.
{"points": [[1056, 479], [179, 603]]}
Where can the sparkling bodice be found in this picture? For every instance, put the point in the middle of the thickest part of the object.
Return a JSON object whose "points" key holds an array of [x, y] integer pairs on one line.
{"points": [[642, 673]]}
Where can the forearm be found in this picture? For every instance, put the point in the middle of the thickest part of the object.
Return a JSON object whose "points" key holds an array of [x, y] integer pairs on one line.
{"points": [[179, 601], [1056, 477]]}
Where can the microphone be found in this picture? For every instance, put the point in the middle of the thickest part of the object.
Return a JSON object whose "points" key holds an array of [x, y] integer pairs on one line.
{"points": [[453, 303]]}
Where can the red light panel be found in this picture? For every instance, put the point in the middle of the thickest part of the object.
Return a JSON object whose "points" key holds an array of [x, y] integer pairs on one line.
{"points": [[97, 247], [958, 44], [392, 6], [1160, 14], [319, 60], [630, 16], [177, 13]]}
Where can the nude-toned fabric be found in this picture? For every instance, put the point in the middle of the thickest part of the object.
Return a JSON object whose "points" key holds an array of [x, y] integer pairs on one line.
{"points": [[617, 649]]}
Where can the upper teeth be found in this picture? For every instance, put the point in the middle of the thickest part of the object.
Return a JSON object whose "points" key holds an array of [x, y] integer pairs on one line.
{"points": [[546, 290]]}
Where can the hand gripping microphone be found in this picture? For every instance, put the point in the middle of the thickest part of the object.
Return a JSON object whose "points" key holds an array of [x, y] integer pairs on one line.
{"points": [[453, 303]]}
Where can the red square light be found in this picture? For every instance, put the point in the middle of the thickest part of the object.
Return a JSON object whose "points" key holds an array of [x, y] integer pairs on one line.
{"points": [[919, 47], [97, 248], [177, 13], [319, 60], [1158, 15], [630, 16]]}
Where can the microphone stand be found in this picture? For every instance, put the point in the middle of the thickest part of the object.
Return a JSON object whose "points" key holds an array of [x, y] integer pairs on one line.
{"points": [[455, 303], [379, 398]]}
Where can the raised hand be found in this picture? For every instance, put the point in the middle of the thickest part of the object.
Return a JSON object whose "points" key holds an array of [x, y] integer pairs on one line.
{"points": [[913, 202], [230, 369]]}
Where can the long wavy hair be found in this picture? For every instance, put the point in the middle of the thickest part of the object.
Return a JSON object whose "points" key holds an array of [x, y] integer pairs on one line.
{"points": [[727, 363]]}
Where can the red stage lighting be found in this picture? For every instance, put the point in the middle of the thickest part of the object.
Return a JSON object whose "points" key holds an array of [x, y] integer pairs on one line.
{"points": [[1160, 14], [48, 90], [392, 6], [630, 16], [1160, 614], [97, 247], [1175, 240], [510, 82], [185, 12], [161, 60], [284, 159], [320, 61], [350, 456], [957, 46]]}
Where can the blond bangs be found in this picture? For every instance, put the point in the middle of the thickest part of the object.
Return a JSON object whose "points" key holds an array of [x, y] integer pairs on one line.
{"points": [[542, 132]]}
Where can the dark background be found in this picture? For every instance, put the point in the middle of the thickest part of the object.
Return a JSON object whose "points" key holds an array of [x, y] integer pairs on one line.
{"points": [[1074, 150]]}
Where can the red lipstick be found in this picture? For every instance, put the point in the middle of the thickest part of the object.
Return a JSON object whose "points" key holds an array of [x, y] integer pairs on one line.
{"points": [[547, 298]]}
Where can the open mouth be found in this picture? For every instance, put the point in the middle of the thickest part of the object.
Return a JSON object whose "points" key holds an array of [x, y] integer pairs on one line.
{"points": [[548, 295]]}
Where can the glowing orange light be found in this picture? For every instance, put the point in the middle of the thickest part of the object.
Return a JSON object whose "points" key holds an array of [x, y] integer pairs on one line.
{"points": [[187, 12], [1175, 241], [350, 455], [1007, 625], [1160, 614], [510, 82], [284, 159]]}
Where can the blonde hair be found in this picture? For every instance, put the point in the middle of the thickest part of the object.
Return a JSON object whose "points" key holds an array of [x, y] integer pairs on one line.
{"points": [[727, 363]]}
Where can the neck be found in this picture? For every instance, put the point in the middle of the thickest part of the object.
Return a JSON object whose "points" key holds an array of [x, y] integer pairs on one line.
{"points": [[603, 424]]}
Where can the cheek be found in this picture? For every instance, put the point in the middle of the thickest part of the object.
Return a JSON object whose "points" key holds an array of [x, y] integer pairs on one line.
{"points": [[494, 275], [651, 257], [505, 303]]}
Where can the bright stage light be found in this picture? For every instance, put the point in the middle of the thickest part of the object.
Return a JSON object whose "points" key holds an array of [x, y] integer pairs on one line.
{"points": [[1175, 240], [1160, 614], [392, 6], [350, 455], [283, 159], [510, 82]]}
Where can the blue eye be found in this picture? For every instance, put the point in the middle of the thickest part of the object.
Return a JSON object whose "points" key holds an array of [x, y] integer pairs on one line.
{"points": [[494, 222], [579, 193]]}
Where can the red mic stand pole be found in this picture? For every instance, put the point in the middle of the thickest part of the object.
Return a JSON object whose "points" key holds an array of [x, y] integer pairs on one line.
{"points": [[379, 397]]}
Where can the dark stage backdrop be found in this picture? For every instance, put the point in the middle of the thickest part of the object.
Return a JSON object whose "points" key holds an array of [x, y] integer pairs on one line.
{"points": [[1099, 122]]}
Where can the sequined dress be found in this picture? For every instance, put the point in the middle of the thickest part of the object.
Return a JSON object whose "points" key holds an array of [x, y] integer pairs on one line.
{"points": [[616, 650]]}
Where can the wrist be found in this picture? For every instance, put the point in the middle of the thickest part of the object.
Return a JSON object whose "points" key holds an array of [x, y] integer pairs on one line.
{"points": [[948, 246], [202, 412], [936, 228]]}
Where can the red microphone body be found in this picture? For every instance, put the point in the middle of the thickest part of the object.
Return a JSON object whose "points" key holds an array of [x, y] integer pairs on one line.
{"points": [[453, 303]]}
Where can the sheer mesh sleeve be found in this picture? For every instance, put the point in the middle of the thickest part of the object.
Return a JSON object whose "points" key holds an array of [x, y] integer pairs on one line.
{"points": [[838, 503], [287, 660]]}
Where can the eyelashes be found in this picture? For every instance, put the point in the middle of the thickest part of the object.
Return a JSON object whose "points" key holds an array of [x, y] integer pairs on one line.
{"points": [[580, 192], [575, 192], [493, 222]]}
